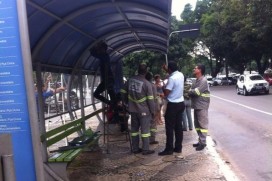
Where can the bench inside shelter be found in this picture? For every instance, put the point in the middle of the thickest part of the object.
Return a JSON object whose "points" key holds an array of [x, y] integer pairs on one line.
{"points": [[57, 162]]}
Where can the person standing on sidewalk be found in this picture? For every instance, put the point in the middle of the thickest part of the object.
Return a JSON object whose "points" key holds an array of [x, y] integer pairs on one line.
{"points": [[138, 93], [175, 107], [200, 97], [153, 124], [186, 116], [160, 97]]}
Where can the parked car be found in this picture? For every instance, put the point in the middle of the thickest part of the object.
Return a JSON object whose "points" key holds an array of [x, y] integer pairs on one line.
{"points": [[234, 79], [228, 81], [190, 80], [252, 83], [55, 103], [217, 81], [225, 81], [210, 81]]}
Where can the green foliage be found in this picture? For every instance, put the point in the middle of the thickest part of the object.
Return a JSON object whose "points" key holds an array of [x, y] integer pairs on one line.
{"points": [[235, 34], [202, 7], [238, 31], [154, 61], [188, 15], [179, 50]]}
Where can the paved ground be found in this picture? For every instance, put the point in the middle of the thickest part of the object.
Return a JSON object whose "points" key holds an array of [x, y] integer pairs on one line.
{"points": [[115, 162]]}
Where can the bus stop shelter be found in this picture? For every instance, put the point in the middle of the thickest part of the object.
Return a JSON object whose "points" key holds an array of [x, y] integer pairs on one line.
{"points": [[56, 36]]}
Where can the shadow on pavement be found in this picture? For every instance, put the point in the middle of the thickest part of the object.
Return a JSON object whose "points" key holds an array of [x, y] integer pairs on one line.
{"points": [[121, 165]]}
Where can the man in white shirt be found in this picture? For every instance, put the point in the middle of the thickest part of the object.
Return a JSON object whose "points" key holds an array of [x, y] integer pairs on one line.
{"points": [[175, 107]]}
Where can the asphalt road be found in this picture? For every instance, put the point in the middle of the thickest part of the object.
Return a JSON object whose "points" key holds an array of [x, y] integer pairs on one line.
{"points": [[241, 127]]}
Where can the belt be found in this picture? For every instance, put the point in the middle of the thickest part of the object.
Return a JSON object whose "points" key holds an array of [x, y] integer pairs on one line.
{"points": [[174, 102]]}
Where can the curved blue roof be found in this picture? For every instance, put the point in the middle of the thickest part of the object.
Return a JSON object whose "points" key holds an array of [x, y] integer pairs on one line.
{"points": [[62, 31]]}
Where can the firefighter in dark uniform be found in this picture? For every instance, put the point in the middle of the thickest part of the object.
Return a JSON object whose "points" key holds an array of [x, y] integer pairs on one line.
{"points": [[153, 124], [200, 96], [138, 94]]}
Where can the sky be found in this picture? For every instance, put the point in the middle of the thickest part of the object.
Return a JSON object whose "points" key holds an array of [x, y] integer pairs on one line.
{"points": [[178, 6]]}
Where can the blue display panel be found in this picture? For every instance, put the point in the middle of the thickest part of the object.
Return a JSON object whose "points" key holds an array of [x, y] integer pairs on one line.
{"points": [[14, 116]]}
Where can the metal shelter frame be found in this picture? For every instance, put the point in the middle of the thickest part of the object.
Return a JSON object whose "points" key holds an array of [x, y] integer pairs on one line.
{"points": [[61, 32], [61, 37]]}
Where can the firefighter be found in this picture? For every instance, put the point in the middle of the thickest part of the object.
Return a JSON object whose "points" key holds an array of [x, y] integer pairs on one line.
{"points": [[200, 97], [138, 94], [153, 124]]}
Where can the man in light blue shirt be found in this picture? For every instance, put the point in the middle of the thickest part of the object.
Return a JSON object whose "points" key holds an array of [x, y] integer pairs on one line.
{"points": [[175, 85], [175, 107]]}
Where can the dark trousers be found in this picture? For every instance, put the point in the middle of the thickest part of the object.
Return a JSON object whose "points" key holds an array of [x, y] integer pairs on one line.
{"points": [[173, 124], [101, 88]]}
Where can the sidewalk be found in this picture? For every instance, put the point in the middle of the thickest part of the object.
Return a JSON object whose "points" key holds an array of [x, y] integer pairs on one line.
{"points": [[121, 165]]}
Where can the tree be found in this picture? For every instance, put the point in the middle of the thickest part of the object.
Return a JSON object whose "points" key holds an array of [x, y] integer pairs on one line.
{"points": [[219, 27], [255, 36], [188, 16], [202, 7], [154, 61], [234, 33], [237, 31]]}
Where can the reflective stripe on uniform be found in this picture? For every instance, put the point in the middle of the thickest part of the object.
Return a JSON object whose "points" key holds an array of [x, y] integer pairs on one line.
{"points": [[123, 91], [135, 134], [197, 91], [201, 130], [201, 94], [153, 130], [146, 135], [140, 100], [205, 95]]}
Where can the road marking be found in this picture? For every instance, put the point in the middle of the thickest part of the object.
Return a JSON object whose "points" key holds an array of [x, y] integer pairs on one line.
{"points": [[251, 108], [223, 166]]}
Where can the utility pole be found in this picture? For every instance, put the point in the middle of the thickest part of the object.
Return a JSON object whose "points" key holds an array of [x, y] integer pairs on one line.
{"points": [[174, 32]]}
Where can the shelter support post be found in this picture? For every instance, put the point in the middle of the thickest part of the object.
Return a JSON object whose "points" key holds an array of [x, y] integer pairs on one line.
{"points": [[32, 107], [8, 167], [81, 98], [7, 170]]}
